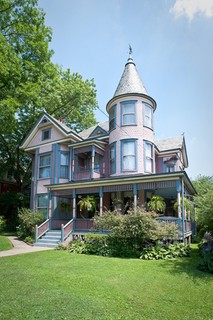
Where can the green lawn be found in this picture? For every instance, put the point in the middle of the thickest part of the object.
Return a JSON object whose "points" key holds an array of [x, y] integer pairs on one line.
{"points": [[57, 285], [5, 244]]}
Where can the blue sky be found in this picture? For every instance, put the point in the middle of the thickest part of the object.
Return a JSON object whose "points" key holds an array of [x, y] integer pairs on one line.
{"points": [[172, 42]]}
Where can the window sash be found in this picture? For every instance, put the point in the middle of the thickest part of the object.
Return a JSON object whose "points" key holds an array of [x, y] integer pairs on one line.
{"points": [[112, 118], [112, 158], [45, 166], [128, 113], [128, 156], [147, 116], [148, 157], [64, 162]]}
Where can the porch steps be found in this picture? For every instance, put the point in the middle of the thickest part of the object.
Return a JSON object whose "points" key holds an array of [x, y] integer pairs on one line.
{"points": [[50, 239]]}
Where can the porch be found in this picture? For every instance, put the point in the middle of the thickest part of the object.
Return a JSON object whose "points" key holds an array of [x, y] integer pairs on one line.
{"points": [[78, 228]]}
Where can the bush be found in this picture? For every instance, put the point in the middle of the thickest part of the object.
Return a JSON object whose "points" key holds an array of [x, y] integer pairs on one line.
{"points": [[92, 244], [2, 223], [165, 252], [206, 262], [27, 222], [130, 233], [10, 203], [206, 252]]}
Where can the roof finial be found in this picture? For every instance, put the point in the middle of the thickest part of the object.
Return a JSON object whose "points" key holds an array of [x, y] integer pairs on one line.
{"points": [[130, 50]]}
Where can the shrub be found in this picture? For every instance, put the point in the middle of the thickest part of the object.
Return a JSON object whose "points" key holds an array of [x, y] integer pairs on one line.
{"points": [[165, 252], [206, 252], [2, 223], [77, 246], [96, 244], [27, 222], [10, 203], [206, 262]]}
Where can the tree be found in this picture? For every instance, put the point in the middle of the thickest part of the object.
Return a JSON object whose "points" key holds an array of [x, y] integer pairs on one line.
{"points": [[30, 83], [204, 203]]}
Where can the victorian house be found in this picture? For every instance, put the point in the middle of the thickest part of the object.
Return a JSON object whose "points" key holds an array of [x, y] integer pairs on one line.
{"points": [[118, 161]]}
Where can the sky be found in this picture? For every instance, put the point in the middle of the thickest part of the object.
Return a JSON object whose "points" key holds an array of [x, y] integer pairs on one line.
{"points": [[172, 43]]}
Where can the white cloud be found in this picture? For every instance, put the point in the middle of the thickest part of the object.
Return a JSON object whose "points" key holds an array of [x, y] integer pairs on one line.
{"points": [[190, 8]]}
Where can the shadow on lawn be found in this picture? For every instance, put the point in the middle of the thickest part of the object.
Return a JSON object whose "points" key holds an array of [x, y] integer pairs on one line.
{"points": [[188, 265]]}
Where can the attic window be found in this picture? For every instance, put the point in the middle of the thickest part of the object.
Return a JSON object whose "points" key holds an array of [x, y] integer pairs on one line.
{"points": [[46, 134], [44, 120]]}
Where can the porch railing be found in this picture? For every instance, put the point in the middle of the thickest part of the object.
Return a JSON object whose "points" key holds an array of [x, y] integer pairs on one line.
{"points": [[42, 229], [82, 225], [66, 230], [178, 221]]}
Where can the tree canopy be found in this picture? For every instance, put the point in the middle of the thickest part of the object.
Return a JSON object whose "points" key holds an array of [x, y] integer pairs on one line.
{"points": [[204, 203], [30, 83]]}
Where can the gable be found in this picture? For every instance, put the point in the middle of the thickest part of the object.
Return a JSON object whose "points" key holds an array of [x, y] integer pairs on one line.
{"points": [[48, 130]]}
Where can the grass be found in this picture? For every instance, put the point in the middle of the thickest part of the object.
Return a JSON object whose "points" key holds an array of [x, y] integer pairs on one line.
{"points": [[5, 244], [59, 285]]}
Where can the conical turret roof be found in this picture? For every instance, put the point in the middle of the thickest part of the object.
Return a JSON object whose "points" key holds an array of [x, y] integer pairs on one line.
{"points": [[130, 81]]}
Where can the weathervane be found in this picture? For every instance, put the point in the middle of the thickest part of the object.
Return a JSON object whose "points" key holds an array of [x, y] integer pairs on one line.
{"points": [[130, 50]]}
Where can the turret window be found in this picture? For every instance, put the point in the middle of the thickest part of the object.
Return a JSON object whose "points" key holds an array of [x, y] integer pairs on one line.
{"points": [[128, 116], [112, 118], [148, 115], [112, 158], [148, 152], [128, 155]]}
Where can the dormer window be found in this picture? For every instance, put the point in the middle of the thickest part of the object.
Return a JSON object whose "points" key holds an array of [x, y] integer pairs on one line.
{"points": [[128, 116], [148, 112], [46, 134], [112, 118]]}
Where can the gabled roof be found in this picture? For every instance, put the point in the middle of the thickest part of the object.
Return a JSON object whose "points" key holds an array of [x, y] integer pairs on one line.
{"points": [[130, 81], [45, 120], [173, 144], [100, 129], [169, 143]]}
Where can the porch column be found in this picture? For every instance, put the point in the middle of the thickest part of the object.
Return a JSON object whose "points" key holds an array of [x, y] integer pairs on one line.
{"points": [[101, 200], [71, 164], [93, 162], [49, 205], [178, 188], [135, 193], [183, 209], [74, 204]]}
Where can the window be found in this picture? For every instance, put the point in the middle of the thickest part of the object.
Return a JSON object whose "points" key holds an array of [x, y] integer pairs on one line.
{"points": [[170, 168], [98, 163], [128, 155], [147, 115], [148, 147], [112, 118], [45, 166], [42, 204], [112, 158], [128, 113], [64, 162], [46, 134]]}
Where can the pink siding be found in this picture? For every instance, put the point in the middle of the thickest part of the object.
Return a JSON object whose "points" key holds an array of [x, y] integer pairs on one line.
{"points": [[37, 139]]}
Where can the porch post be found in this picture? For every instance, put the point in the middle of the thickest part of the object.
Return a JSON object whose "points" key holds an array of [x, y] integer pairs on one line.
{"points": [[135, 195], [71, 164], [101, 200], [74, 204], [178, 188], [183, 209], [93, 161]]}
